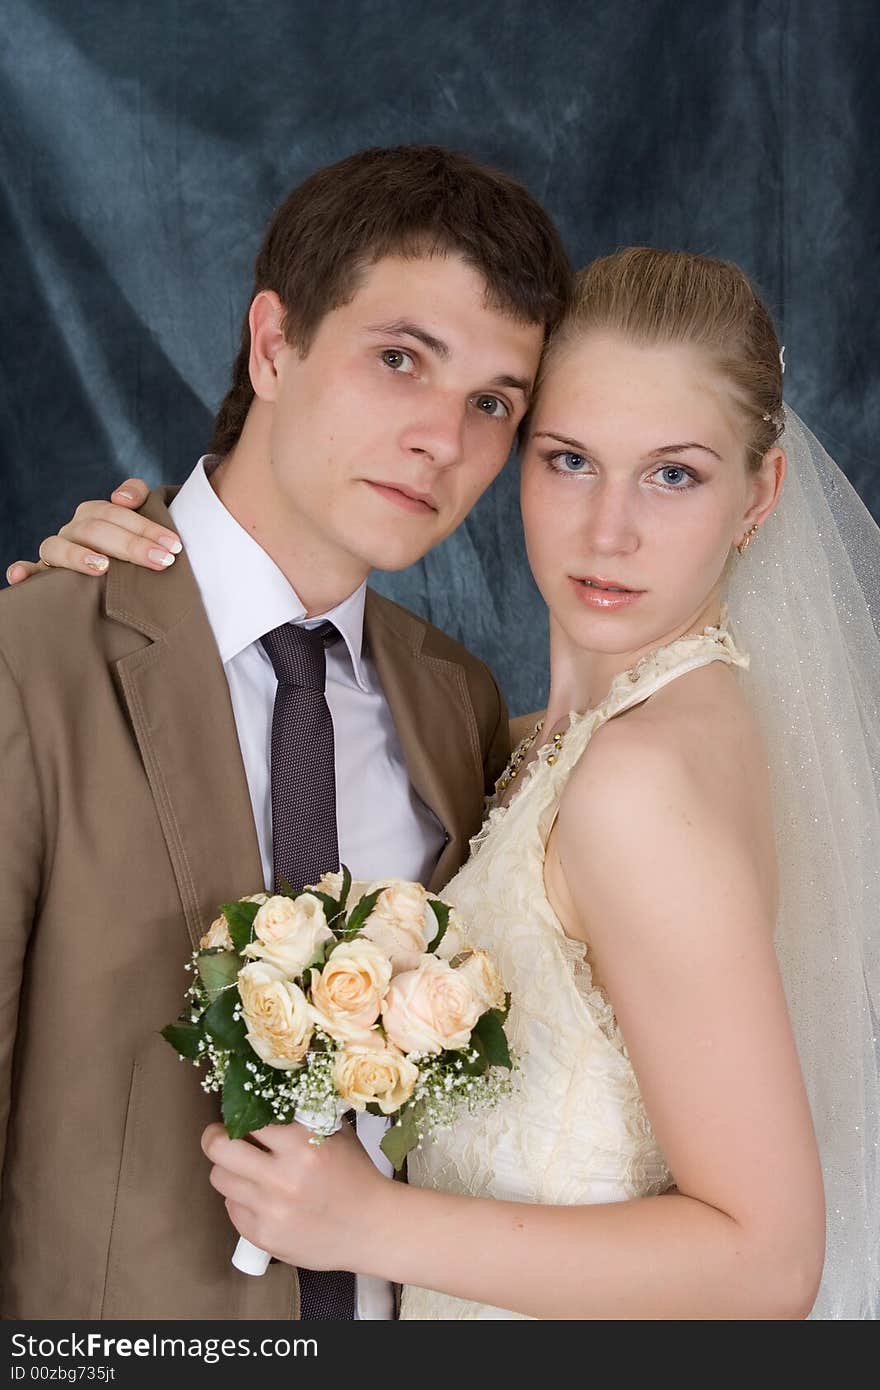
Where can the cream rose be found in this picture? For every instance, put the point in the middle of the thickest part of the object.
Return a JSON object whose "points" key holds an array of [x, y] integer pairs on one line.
{"points": [[430, 1008], [402, 923], [347, 993], [217, 935], [374, 1071], [289, 932], [277, 1015], [479, 971]]}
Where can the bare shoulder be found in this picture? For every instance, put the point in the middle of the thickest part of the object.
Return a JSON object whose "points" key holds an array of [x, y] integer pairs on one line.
{"points": [[676, 787], [696, 738]]}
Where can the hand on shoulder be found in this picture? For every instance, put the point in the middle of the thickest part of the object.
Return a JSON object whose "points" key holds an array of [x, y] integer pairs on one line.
{"points": [[100, 531]]}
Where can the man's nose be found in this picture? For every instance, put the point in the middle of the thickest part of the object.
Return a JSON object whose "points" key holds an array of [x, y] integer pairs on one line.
{"points": [[437, 433]]}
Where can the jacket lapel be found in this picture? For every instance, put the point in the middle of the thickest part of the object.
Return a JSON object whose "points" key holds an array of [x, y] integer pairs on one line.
{"points": [[435, 721], [178, 700]]}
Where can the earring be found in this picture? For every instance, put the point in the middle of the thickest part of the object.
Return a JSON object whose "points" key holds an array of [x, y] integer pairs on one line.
{"points": [[747, 539]]}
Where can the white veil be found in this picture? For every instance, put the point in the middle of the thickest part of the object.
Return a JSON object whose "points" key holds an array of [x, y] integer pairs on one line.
{"points": [[804, 603]]}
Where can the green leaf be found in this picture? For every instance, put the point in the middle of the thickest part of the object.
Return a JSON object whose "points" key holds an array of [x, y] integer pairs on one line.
{"points": [[481, 1065], [219, 1023], [441, 912], [243, 1111], [400, 1138], [184, 1038], [346, 886], [360, 913], [490, 1033], [218, 969], [332, 908], [240, 920]]}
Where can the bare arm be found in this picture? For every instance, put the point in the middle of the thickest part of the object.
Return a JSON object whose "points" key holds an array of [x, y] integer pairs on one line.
{"points": [[686, 953], [100, 531]]}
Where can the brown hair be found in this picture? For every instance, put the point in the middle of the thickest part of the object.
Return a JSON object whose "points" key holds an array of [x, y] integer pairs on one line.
{"points": [[652, 296], [411, 200]]}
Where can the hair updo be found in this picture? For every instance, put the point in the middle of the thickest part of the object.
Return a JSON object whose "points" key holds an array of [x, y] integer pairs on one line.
{"points": [[654, 297]]}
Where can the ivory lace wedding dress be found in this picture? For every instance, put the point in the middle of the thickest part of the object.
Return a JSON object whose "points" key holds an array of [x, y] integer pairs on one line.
{"points": [[574, 1130]]}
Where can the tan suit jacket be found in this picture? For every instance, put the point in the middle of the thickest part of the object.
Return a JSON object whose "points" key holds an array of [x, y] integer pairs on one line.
{"points": [[125, 820]]}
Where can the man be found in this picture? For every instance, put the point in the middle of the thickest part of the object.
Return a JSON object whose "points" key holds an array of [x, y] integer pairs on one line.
{"points": [[146, 735]]}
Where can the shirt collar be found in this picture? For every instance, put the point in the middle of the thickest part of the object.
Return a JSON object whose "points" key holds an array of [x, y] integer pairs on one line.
{"points": [[244, 592]]}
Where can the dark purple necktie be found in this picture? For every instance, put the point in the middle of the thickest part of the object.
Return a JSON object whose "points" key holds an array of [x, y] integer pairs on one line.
{"points": [[304, 840]]}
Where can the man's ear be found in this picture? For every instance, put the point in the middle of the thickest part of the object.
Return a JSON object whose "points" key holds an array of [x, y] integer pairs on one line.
{"points": [[266, 322], [766, 486]]}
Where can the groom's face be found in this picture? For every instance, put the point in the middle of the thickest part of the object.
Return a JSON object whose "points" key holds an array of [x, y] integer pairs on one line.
{"points": [[402, 412]]}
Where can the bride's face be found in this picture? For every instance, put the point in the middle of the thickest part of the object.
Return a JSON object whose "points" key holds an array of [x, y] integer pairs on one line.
{"points": [[634, 476]]}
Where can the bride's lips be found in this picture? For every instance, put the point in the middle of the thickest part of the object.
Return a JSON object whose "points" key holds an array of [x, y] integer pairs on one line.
{"points": [[605, 595], [407, 498]]}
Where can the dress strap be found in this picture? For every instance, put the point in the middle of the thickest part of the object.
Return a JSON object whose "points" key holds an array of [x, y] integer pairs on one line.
{"points": [[633, 687], [660, 667]]}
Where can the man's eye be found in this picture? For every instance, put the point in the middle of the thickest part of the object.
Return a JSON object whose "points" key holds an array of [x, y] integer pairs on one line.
{"points": [[398, 360], [491, 405]]}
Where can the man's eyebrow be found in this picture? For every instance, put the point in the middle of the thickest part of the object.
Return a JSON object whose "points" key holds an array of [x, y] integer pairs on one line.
{"points": [[406, 328], [517, 383], [412, 330]]}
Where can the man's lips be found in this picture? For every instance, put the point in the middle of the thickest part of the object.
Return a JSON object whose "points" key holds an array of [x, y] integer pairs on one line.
{"points": [[408, 498]]}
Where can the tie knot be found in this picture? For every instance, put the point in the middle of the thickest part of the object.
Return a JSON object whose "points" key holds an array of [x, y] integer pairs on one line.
{"points": [[297, 653]]}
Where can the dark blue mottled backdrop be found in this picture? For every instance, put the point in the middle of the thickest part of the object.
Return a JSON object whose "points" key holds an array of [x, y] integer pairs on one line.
{"points": [[143, 146]]}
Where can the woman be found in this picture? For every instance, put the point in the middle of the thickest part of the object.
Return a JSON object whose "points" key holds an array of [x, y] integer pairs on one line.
{"points": [[657, 1157]]}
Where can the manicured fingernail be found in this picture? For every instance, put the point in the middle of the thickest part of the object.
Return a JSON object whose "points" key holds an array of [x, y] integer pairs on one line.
{"points": [[171, 543], [160, 557], [15, 572], [123, 492], [98, 563]]}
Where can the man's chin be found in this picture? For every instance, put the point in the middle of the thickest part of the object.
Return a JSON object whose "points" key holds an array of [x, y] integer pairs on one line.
{"points": [[393, 556], [394, 565]]}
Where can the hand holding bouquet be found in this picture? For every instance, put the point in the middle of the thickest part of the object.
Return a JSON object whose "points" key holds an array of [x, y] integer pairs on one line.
{"points": [[344, 996]]}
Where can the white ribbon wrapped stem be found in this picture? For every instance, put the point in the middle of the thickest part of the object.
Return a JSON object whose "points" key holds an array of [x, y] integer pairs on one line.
{"points": [[249, 1258]]}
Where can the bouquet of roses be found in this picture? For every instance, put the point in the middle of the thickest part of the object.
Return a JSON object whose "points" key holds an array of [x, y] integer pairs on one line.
{"points": [[344, 996]]}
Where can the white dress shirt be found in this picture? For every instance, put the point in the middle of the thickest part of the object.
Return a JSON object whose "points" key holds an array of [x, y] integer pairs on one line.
{"points": [[384, 828]]}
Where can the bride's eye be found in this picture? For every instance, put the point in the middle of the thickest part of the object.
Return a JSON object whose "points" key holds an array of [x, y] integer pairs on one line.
{"points": [[675, 478], [398, 360], [567, 463]]}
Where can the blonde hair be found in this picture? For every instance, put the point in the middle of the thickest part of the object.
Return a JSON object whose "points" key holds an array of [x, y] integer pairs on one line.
{"points": [[655, 297]]}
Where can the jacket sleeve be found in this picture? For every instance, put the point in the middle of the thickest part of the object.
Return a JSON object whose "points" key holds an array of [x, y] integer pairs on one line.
{"points": [[21, 862]]}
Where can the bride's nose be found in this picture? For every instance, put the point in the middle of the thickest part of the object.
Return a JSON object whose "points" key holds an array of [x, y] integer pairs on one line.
{"points": [[609, 522]]}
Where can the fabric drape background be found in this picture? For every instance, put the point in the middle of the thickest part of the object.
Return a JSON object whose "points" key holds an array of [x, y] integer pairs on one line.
{"points": [[143, 148]]}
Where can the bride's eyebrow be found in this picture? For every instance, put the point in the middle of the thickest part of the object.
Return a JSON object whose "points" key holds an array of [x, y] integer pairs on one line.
{"points": [[563, 439], [654, 453], [678, 448]]}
